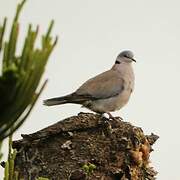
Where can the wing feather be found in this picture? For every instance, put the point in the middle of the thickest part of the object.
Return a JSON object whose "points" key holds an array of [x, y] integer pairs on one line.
{"points": [[102, 86]]}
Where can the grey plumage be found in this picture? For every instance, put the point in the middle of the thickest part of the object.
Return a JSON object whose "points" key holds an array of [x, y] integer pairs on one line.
{"points": [[106, 92]]}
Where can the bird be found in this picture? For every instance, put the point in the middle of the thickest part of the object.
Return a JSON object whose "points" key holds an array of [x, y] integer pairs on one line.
{"points": [[106, 92]]}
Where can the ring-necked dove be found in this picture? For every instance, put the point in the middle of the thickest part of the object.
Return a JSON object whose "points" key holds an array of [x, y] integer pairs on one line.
{"points": [[106, 92]]}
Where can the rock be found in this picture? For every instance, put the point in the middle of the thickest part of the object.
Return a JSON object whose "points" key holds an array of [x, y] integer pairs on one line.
{"points": [[69, 148]]}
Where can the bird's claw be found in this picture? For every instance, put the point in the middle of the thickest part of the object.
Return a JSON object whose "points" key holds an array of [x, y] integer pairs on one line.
{"points": [[114, 118]]}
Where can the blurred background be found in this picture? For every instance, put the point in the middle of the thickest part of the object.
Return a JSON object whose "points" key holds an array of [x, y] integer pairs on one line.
{"points": [[91, 35]]}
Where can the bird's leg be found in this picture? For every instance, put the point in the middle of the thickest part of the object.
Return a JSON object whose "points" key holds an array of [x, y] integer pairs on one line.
{"points": [[103, 118], [106, 124], [106, 118]]}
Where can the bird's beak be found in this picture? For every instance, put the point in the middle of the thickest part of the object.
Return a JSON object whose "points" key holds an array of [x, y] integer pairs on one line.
{"points": [[133, 60]]}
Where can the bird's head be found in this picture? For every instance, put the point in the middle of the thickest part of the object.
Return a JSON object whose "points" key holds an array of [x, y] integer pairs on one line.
{"points": [[125, 56]]}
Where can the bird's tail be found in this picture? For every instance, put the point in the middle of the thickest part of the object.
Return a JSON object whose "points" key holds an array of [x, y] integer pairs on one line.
{"points": [[71, 98]]}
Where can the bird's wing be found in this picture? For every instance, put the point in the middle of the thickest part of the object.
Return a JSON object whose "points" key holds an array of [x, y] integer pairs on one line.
{"points": [[102, 86]]}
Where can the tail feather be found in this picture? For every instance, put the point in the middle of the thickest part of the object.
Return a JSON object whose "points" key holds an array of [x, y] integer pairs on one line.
{"points": [[71, 98], [54, 101]]}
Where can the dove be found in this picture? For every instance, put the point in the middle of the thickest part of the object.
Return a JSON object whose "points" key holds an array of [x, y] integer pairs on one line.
{"points": [[106, 92]]}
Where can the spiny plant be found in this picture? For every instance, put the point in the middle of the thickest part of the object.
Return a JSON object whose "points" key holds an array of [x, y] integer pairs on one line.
{"points": [[21, 73], [9, 172]]}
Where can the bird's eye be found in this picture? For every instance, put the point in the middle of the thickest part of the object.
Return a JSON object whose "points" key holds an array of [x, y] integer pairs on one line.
{"points": [[126, 56]]}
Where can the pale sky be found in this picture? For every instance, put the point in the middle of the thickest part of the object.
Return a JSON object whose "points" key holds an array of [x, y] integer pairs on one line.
{"points": [[91, 34]]}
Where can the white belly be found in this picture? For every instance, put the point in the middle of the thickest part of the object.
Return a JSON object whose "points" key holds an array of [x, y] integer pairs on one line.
{"points": [[110, 104]]}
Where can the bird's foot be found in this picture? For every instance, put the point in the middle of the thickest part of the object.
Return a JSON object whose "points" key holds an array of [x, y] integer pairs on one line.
{"points": [[114, 118], [120, 118]]}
